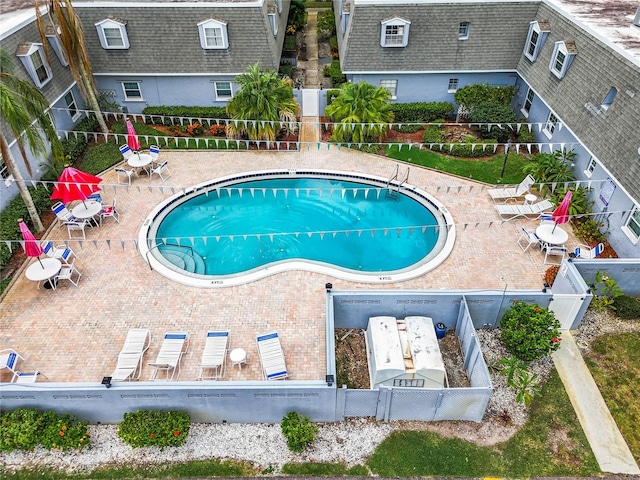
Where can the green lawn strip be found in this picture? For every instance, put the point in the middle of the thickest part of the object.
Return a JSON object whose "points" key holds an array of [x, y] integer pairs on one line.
{"points": [[323, 469], [614, 362], [485, 169], [199, 468], [550, 444]]}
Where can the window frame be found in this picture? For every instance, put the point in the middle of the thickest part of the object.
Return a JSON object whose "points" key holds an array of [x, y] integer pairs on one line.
{"points": [[27, 60], [540, 32], [528, 102], [550, 125], [73, 102], [223, 98], [463, 30], [559, 67], [127, 98], [54, 40], [392, 88], [215, 24], [453, 85], [400, 40], [591, 166], [112, 24], [634, 217]]}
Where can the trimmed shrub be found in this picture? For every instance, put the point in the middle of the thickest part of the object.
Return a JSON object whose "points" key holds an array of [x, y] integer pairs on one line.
{"points": [[408, 127], [101, 157], [496, 114], [332, 95], [337, 77], [526, 136], [289, 43], [26, 428], [529, 332], [299, 431], [433, 134], [154, 428], [73, 148], [421, 111], [286, 70], [626, 307]]}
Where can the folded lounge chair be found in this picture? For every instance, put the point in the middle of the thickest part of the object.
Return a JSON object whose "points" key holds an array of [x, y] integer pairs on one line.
{"points": [[174, 345], [214, 355], [271, 356], [512, 193], [129, 365], [514, 211]]}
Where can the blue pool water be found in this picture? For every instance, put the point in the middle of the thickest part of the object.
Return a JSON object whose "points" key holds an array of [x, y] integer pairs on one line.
{"points": [[246, 226]]}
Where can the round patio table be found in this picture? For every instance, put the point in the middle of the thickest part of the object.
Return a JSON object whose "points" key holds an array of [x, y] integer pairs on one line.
{"points": [[140, 160], [552, 234], [44, 269], [86, 210]]}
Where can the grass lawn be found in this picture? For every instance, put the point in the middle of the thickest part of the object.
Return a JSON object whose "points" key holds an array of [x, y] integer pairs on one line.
{"points": [[485, 169], [614, 362]]}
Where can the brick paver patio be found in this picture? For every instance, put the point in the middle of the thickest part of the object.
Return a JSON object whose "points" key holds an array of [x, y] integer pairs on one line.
{"points": [[74, 334]]}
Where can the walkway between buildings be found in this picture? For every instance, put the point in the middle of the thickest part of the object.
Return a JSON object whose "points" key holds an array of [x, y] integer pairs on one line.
{"points": [[310, 129], [610, 449]]}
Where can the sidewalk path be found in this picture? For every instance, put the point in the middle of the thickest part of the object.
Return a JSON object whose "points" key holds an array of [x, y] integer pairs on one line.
{"points": [[610, 449]]}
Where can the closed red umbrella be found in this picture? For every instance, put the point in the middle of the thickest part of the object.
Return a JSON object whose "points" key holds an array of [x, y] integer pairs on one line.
{"points": [[561, 213], [132, 137], [75, 184], [31, 246]]}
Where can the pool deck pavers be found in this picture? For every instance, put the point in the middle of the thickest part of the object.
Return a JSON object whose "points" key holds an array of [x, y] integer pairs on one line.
{"points": [[74, 334]]}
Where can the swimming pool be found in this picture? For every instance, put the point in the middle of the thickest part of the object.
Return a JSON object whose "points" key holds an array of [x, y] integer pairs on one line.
{"points": [[240, 228]]}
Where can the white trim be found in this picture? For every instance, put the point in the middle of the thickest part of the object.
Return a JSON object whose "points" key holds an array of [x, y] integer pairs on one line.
{"points": [[124, 91], [164, 74], [592, 161], [560, 48], [116, 4], [212, 23], [109, 23], [394, 22], [634, 237], [78, 113], [215, 90], [422, 72], [30, 67]]}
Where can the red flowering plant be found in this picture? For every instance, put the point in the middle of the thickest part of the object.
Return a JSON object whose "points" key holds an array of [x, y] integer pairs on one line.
{"points": [[550, 275], [195, 128], [529, 332], [148, 428]]}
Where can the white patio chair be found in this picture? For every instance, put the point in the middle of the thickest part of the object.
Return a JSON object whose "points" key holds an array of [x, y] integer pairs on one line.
{"points": [[126, 173], [174, 346], [214, 355], [62, 213], [554, 254], [110, 211], [61, 252], [95, 197], [125, 151], [160, 169], [154, 152], [9, 359], [271, 356], [129, 366], [512, 193], [27, 377], [527, 238], [67, 272], [76, 226]]}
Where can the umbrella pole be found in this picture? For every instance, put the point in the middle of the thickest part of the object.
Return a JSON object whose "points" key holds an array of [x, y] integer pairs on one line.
{"points": [[40, 261], [554, 227]]}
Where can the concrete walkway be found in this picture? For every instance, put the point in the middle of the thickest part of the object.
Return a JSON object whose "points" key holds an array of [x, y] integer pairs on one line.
{"points": [[611, 451]]}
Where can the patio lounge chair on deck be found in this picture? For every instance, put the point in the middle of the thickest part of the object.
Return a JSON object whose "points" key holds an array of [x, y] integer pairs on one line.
{"points": [[9, 359], [512, 193], [129, 365], [514, 211], [585, 251], [174, 345], [271, 356], [214, 355]]}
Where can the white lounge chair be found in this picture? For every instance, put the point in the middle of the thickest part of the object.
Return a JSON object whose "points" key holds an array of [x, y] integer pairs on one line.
{"points": [[271, 356], [9, 359], [585, 251], [514, 211], [129, 365], [26, 377], [512, 193], [174, 345], [214, 355]]}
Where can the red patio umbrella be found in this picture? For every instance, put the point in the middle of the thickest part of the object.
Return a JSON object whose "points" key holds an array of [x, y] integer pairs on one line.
{"points": [[132, 137], [31, 246], [75, 185], [561, 213]]}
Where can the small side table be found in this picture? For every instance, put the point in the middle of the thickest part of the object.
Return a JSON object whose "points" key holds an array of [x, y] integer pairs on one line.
{"points": [[530, 198], [238, 357]]}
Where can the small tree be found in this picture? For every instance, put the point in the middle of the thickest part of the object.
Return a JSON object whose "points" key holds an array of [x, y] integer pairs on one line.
{"points": [[529, 332], [497, 120], [299, 431]]}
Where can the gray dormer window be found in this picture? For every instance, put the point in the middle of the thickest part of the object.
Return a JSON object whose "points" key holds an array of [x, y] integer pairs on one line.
{"points": [[394, 32], [213, 34], [54, 40], [538, 32], [33, 58], [563, 54], [113, 34]]}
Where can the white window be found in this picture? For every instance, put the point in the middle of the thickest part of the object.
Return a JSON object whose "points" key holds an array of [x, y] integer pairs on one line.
{"points": [[273, 21], [33, 58], [391, 85], [132, 91], [72, 106], [591, 167], [223, 90], [394, 32], [54, 40], [528, 101], [608, 100], [563, 53], [632, 227], [213, 34], [550, 125], [463, 30], [113, 34], [538, 32], [453, 85]]}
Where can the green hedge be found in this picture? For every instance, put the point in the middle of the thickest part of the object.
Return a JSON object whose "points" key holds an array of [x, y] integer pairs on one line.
{"points": [[465, 149], [149, 428], [182, 111], [337, 77], [421, 111]]}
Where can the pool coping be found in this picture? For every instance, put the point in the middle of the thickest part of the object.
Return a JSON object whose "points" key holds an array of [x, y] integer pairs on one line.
{"points": [[427, 264]]}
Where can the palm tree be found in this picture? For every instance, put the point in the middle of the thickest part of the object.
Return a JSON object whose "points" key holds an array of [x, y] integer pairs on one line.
{"points": [[362, 112], [265, 99], [21, 104], [69, 29]]}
